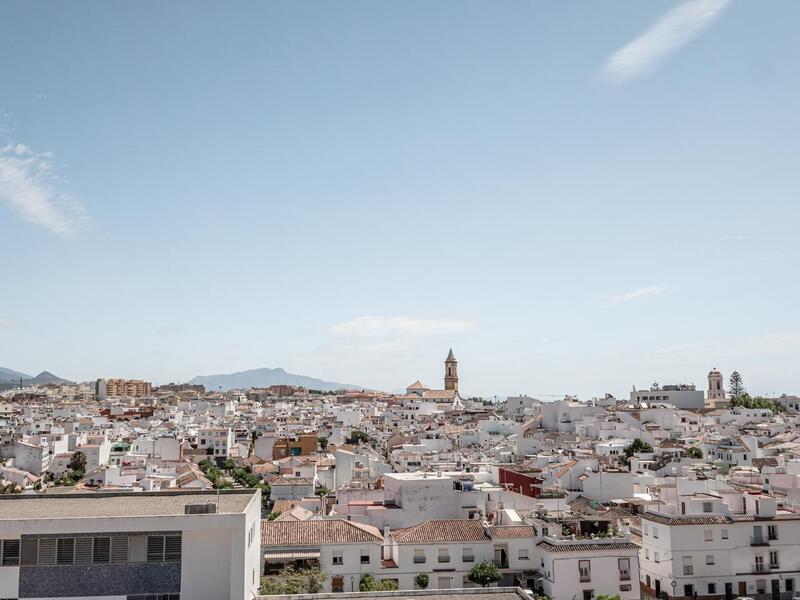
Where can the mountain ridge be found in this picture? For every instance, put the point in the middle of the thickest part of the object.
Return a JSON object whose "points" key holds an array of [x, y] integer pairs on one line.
{"points": [[265, 377]]}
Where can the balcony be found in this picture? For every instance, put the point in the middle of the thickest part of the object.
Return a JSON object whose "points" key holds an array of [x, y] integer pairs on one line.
{"points": [[624, 575], [759, 540], [759, 568]]}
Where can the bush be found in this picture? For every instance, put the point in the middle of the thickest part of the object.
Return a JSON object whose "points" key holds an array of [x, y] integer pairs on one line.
{"points": [[290, 581], [369, 584], [422, 580]]}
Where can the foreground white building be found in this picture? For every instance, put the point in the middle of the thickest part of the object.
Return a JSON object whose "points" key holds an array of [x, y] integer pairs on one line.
{"points": [[165, 545]]}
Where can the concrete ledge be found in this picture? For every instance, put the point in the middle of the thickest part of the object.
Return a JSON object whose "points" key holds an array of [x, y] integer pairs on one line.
{"points": [[497, 593]]}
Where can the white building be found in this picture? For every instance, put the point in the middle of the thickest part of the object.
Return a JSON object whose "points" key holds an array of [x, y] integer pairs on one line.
{"points": [[723, 543], [173, 545]]}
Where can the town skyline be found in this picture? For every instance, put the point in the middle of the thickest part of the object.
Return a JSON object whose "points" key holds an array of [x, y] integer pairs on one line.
{"points": [[568, 206]]}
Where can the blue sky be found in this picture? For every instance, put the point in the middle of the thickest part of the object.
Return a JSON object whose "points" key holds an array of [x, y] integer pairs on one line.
{"points": [[577, 197]]}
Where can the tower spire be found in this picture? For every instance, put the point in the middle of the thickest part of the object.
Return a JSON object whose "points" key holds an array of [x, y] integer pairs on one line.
{"points": [[451, 372]]}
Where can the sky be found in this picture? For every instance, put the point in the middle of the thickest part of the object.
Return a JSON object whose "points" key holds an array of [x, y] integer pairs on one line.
{"points": [[577, 197]]}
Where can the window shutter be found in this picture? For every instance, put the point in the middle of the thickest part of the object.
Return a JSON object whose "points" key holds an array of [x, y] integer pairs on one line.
{"points": [[83, 551], [47, 551], [30, 552], [119, 549]]}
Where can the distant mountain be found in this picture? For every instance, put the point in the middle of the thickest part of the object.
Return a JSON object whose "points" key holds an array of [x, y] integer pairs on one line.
{"points": [[46, 377], [11, 375], [265, 378]]}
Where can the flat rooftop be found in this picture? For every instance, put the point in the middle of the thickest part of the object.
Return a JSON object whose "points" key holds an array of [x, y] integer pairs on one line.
{"points": [[122, 504]]}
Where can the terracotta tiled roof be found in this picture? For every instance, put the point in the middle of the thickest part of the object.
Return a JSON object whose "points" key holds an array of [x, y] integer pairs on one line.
{"points": [[441, 531], [587, 547], [688, 519], [280, 480], [314, 533], [513, 531]]}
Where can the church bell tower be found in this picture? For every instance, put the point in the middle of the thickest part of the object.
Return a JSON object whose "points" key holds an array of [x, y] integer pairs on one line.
{"points": [[451, 372]]}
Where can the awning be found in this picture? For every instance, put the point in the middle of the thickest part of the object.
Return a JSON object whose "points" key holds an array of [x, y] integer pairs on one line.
{"points": [[291, 554]]}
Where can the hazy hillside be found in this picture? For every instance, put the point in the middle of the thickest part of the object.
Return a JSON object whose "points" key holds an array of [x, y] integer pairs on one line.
{"points": [[265, 378]]}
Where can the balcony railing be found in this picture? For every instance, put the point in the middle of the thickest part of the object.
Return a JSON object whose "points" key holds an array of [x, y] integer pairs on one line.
{"points": [[759, 568], [624, 575], [759, 540]]}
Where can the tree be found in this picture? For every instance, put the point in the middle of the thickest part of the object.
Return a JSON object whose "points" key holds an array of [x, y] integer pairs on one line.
{"points": [[635, 446], [77, 463], [422, 580], [356, 437], [369, 584], [291, 581], [694, 452], [735, 385], [484, 574], [322, 491], [323, 443], [273, 515]]}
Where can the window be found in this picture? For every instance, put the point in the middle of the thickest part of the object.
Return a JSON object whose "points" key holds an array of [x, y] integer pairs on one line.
{"points": [[338, 558], [724, 534], [65, 554], [419, 557], [655, 557], [647, 553], [625, 588], [646, 532], [522, 554], [468, 555], [708, 535], [585, 570], [624, 569], [119, 549], [774, 563], [365, 560], [688, 567], [712, 588], [10, 553], [759, 563], [772, 532], [709, 559], [172, 548], [655, 532], [444, 555], [707, 507], [790, 585], [101, 551], [155, 548]]}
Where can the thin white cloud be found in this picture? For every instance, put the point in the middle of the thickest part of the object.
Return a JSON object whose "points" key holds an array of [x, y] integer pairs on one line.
{"points": [[669, 33], [367, 327], [29, 187], [645, 292], [7, 323]]}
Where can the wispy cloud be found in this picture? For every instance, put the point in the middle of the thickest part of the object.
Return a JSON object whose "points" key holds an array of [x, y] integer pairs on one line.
{"points": [[399, 326], [645, 292], [8, 323], [666, 35], [28, 185]]}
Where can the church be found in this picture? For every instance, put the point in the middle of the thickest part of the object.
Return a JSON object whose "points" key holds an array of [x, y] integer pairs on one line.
{"points": [[428, 401]]}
